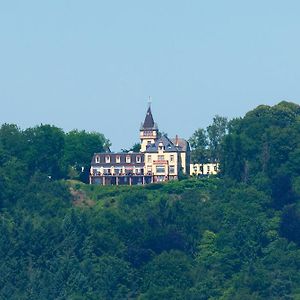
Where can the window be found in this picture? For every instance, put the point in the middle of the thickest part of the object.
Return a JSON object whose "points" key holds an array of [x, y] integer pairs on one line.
{"points": [[149, 158], [118, 171], [160, 157], [160, 169], [138, 159], [97, 159], [147, 133], [128, 159], [172, 169], [106, 171], [118, 159], [107, 159], [215, 168], [171, 158], [161, 146], [208, 168]]}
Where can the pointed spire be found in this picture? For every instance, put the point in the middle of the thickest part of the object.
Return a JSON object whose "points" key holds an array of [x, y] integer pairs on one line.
{"points": [[149, 122]]}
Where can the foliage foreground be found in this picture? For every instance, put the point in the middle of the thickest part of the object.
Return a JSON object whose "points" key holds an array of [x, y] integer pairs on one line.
{"points": [[232, 237], [192, 239]]}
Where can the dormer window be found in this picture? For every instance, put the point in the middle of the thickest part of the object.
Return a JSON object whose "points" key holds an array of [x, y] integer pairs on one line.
{"points": [[161, 146], [128, 159], [138, 159], [107, 159], [97, 159], [118, 159]]}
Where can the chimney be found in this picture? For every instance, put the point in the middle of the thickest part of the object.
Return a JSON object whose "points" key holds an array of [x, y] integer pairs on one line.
{"points": [[176, 140]]}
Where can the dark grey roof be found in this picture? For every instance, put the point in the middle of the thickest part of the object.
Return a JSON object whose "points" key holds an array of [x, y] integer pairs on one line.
{"points": [[113, 161], [149, 121], [167, 143], [183, 145]]}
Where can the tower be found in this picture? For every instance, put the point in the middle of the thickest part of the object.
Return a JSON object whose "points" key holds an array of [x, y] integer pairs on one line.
{"points": [[148, 131]]}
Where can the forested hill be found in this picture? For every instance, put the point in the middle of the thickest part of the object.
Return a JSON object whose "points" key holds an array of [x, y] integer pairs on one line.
{"points": [[235, 236]]}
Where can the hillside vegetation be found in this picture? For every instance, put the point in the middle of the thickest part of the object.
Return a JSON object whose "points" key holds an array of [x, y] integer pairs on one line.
{"points": [[235, 236]]}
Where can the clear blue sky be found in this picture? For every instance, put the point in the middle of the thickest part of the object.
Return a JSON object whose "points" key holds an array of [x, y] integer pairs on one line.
{"points": [[92, 64]]}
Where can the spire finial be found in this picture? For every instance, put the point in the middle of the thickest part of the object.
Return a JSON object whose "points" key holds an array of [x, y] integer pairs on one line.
{"points": [[149, 101]]}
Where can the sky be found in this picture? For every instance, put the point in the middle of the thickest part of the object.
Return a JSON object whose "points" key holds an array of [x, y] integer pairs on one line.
{"points": [[91, 65]]}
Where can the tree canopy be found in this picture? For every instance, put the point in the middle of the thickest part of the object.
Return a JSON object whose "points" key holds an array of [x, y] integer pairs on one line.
{"points": [[233, 236], [206, 143], [48, 149]]}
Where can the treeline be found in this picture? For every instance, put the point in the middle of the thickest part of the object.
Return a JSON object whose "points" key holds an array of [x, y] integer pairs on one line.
{"points": [[206, 143], [261, 149], [235, 236], [49, 150]]}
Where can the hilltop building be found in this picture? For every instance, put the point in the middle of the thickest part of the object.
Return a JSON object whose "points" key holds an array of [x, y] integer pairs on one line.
{"points": [[199, 170], [160, 159]]}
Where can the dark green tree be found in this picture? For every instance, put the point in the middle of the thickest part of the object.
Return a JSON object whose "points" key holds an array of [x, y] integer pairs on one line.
{"points": [[136, 147], [79, 149], [199, 146], [45, 150], [215, 133]]}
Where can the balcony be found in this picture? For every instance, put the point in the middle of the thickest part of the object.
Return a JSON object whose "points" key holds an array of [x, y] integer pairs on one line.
{"points": [[160, 162]]}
